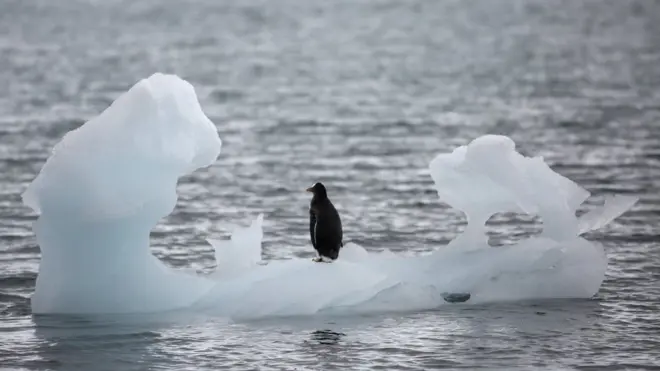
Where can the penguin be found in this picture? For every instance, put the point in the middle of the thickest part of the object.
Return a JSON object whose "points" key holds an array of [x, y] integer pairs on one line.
{"points": [[324, 225]]}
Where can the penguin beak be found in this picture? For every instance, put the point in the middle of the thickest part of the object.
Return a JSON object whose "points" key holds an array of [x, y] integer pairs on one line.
{"points": [[309, 190]]}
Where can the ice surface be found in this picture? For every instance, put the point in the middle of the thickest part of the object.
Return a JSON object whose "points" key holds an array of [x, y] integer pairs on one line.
{"points": [[109, 182]]}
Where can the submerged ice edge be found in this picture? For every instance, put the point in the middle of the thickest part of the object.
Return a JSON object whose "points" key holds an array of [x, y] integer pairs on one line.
{"points": [[96, 260]]}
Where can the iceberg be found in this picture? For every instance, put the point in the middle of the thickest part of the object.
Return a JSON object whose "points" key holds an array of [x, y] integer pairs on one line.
{"points": [[107, 184]]}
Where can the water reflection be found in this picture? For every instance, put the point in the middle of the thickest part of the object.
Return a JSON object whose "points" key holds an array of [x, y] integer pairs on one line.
{"points": [[90, 342]]}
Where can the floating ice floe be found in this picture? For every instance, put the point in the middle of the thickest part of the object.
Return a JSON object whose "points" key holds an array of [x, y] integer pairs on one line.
{"points": [[109, 182]]}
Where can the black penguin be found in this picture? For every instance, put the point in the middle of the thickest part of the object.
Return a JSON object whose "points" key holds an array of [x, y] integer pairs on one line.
{"points": [[324, 224]]}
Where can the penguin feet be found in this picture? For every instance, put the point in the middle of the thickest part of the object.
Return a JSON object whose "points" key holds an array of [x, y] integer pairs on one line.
{"points": [[322, 259]]}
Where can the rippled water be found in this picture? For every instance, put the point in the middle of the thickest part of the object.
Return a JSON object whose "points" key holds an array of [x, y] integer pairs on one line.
{"points": [[360, 95]]}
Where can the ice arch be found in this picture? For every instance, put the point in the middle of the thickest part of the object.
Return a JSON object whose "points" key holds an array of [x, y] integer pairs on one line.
{"points": [[103, 189]]}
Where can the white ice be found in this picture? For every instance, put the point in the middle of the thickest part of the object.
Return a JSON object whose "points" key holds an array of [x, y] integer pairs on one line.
{"points": [[108, 183]]}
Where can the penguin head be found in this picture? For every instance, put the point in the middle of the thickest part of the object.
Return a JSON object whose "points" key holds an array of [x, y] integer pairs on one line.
{"points": [[318, 189]]}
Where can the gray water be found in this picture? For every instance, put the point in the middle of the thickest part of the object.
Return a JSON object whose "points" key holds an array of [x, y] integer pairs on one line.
{"points": [[360, 95]]}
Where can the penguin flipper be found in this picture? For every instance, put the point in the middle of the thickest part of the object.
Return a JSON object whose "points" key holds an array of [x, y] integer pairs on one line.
{"points": [[312, 227]]}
